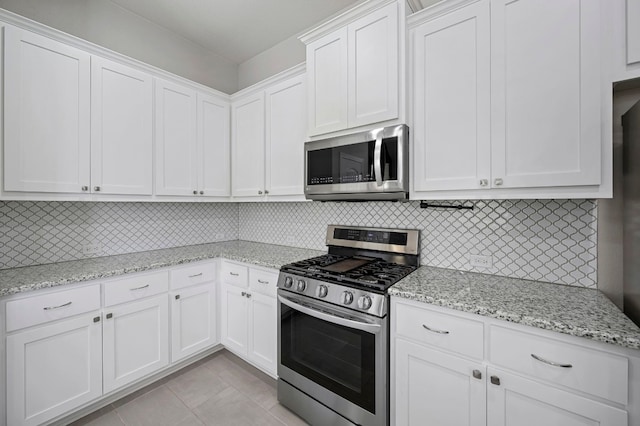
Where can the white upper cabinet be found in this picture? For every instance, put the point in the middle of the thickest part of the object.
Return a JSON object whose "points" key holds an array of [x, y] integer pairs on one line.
{"points": [[546, 84], [451, 126], [354, 69], [373, 67], [46, 114], [121, 129], [213, 159], [175, 139], [327, 76], [517, 109], [247, 118], [285, 136], [268, 134], [633, 31], [623, 38]]}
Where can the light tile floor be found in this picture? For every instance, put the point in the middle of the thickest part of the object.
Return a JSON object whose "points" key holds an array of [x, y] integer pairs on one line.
{"points": [[218, 390]]}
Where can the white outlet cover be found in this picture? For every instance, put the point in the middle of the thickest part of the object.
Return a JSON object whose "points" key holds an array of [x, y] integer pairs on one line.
{"points": [[480, 261]]}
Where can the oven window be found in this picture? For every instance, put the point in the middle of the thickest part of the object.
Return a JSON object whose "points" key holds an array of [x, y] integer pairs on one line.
{"points": [[352, 163], [336, 357]]}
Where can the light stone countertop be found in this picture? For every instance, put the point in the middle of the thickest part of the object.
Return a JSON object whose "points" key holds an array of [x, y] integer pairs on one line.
{"points": [[19, 280], [565, 309]]}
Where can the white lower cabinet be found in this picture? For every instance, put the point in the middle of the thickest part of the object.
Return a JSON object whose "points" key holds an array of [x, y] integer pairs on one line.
{"points": [[249, 315], [518, 401], [434, 388], [508, 385], [53, 368], [136, 341]]}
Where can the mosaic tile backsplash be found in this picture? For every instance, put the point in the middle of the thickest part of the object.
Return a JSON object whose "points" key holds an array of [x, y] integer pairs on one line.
{"points": [[33, 233], [553, 241]]}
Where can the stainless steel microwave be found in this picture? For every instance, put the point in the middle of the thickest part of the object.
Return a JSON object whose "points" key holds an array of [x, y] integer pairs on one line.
{"points": [[372, 165]]}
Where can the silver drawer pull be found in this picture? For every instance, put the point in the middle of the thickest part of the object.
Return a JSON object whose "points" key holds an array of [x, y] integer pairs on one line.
{"points": [[234, 274], [49, 308], [263, 282], [433, 330], [139, 288], [196, 275], [555, 364]]}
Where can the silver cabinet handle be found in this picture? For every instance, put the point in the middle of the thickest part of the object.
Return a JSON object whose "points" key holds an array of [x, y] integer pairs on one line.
{"points": [[554, 364], [244, 294], [484, 182], [85, 188], [495, 380], [259, 192], [248, 295], [201, 192], [266, 192], [497, 182], [433, 330], [477, 374], [263, 282], [234, 274], [96, 188], [195, 192], [196, 275], [49, 308], [139, 288], [177, 297]]}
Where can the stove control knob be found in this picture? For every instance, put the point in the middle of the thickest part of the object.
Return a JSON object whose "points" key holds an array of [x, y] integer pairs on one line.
{"points": [[347, 297], [302, 285], [364, 302], [321, 291], [288, 282]]}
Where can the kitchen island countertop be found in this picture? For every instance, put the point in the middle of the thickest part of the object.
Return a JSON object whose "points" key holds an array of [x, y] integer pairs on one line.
{"points": [[28, 278], [576, 311]]}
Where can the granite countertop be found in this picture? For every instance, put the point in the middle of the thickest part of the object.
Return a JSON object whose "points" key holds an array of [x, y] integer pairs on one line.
{"points": [[565, 309], [19, 280]]}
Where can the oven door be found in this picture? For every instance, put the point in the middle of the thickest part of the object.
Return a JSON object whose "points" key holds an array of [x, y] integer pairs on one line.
{"points": [[366, 165], [336, 356]]}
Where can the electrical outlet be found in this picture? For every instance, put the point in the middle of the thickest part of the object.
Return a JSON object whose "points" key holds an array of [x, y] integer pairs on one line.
{"points": [[480, 261], [92, 248], [291, 239], [219, 236]]}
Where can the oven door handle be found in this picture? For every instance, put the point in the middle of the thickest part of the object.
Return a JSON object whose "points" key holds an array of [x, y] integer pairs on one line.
{"points": [[359, 325]]}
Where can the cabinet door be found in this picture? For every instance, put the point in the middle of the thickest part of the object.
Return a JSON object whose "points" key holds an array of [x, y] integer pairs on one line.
{"points": [[327, 83], [452, 100], [517, 401], [53, 369], [121, 129], [214, 171], [248, 146], [234, 318], [433, 388], [546, 91], [633, 31], [373, 67], [263, 328], [46, 114], [285, 136], [136, 341], [176, 172], [193, 320]]}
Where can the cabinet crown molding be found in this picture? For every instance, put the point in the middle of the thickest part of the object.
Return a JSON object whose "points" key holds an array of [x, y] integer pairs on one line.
{"points": [[436, 10], [262, 84], [343, 19]]}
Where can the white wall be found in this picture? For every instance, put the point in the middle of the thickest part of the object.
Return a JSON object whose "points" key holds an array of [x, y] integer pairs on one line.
{"points": [[280, 57], [108, 25]]}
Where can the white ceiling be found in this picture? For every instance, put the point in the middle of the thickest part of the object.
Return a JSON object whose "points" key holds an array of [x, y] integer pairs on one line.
{"points": [[236, 29]]}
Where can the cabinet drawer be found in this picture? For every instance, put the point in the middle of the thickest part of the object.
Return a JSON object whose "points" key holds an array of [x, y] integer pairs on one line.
{"points": [[455, 334], [50, 307], [592, 371], [192, 274], [263, 282], [134, 288], [235, 274]]}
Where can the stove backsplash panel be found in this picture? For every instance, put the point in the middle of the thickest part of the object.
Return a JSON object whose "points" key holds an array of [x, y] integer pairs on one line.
{"points": [[543, 240], [33, 233]]}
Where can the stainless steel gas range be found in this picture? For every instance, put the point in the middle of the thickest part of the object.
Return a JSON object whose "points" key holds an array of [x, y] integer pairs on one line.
{"points": [[333, 332]]}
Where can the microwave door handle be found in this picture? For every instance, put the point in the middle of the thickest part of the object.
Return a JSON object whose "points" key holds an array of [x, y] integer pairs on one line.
{"points": [[377, 159], [358, 325]]}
